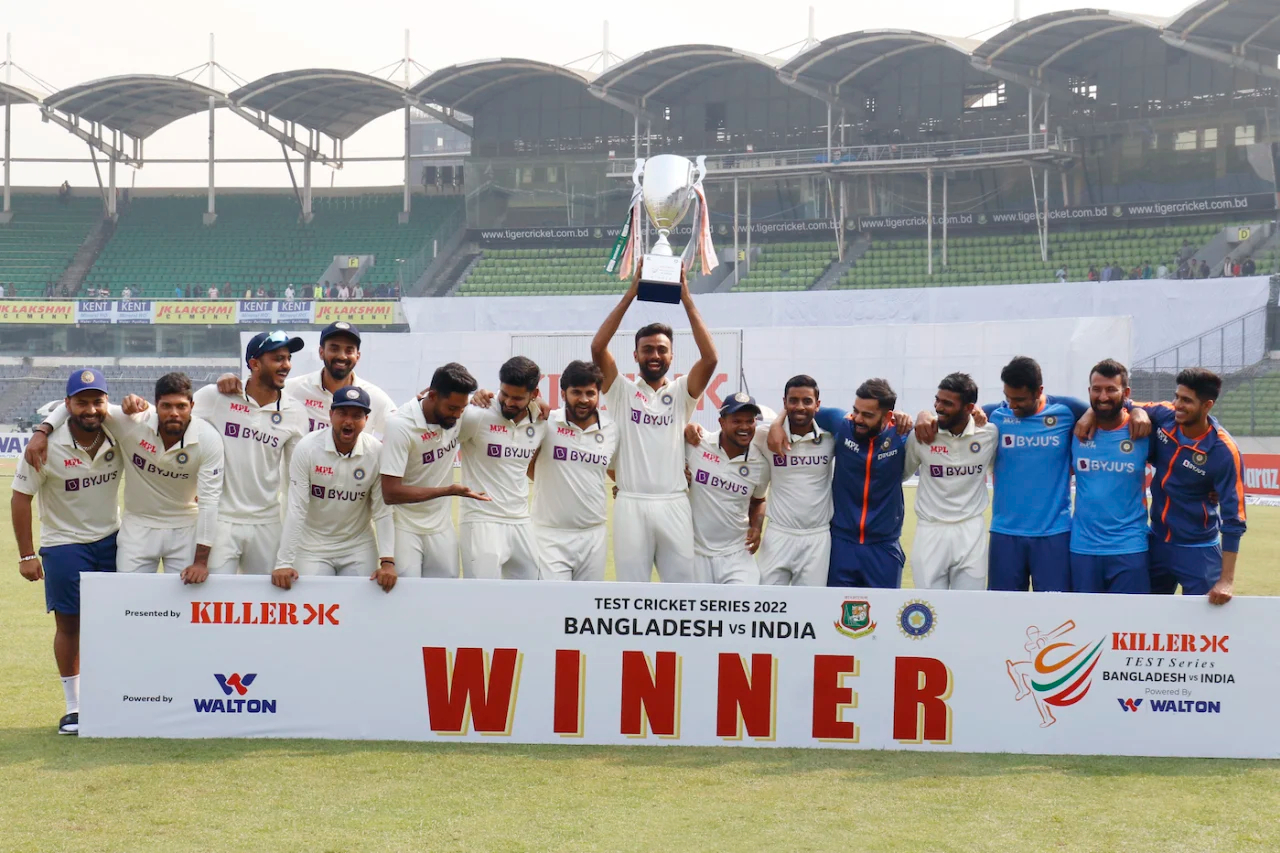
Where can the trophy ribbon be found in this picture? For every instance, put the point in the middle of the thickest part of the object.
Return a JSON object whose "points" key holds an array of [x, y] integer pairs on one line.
{"points": [[623, 256], [700, 240]]}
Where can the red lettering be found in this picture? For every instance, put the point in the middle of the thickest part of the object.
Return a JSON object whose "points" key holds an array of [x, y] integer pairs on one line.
{"points": [[288, 613], [200, 613], [921, 688], [831, 697], [650, 694], [746, 700], [712, 394], [466, 687], [267, 613], [1120, 642], [570, 684]]}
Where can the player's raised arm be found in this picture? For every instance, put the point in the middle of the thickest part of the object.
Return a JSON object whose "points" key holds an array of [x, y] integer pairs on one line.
{"points": [[705, 367], [600, 354]]}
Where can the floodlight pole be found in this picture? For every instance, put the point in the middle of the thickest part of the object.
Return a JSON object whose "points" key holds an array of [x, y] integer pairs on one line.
{"points": [[211, 215], [404, 215], [7, 214], [928, 217], [944, 220]]}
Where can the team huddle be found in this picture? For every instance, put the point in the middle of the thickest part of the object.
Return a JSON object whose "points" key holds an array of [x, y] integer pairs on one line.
{"points": [[323, 475]]}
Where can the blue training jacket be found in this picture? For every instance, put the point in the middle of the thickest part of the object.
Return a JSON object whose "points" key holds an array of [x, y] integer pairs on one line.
{"points": [[867, 485]]}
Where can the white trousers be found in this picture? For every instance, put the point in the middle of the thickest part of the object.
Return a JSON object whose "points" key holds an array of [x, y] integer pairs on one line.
{"points": [[249, 548], [950, 555], [494, 550], [736, 568], [427, 555], [789, 558], [649, 531], [358, 561], [140, 548], [578, 555]]}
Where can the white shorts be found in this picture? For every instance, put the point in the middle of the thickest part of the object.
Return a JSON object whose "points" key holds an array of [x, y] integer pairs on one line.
{"points": [[737, 568], [249, 548], [140, 548], [789, 558], [427, 555], [565, 555], [358, 562], [653, 530], [950, 555], [493, 550]]}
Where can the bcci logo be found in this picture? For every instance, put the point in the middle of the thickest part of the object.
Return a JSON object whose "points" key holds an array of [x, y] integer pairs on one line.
{"points": [[667, 399], [888, 440], [276, 418], [183, 458], [1051, 420], [1198, 458], [358, 474], [744, 471], [1126, 446], [530, 431], [917, 620], [975, 447], [855, 618], [111, 454], [1057, 673]]}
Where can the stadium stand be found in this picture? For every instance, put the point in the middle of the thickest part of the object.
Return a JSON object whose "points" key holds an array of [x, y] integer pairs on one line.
{"points": [[258, 241], [42, 239], [1251, 408], [540, 272], [27, 388], [788, 266]]}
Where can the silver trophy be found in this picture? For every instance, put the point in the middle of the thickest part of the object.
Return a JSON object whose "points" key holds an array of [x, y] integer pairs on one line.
{"points": [[668, 186]]}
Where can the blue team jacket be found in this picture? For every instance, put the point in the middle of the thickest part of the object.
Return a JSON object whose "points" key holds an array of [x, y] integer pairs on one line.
{"points": [[866, 488]]}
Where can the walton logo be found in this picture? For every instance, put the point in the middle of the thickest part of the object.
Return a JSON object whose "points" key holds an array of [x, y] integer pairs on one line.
{"points": [[238, 684], [1128, 705], [1058, 673]]}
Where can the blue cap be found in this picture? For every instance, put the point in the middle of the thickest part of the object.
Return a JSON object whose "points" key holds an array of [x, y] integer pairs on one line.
{"points": [[738, 402], [86, 379], [265, 342], [351, 395], [342, 327]]}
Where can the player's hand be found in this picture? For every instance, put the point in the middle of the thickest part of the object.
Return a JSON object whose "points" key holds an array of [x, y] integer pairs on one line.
{"points": [[753, 539], [615, 492], [1212, 497], [778, 441], [37, 452], [693, 434], [133, 404], [1139, 423], [284, 578], [926, 426], [1087, 426], [634, 288], [541, 411], [1221, 592], [32, 570], [979, 417], [229, 383], [481, 398], [684, 283], [464, 492], [385, 575], [195, 573], [903, 422]]}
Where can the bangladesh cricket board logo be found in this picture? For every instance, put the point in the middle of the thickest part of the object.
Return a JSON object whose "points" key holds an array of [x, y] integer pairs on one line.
{"points": [[1058, 673], [855, 618]]}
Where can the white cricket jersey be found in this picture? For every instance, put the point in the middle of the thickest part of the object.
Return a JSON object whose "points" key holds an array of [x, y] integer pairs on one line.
{"points": [[569, 475], [422, 455], [496, 454], [720, 495], [309, 392], [257, 442], [78, 495], [650, 458], [800, 490], [953, 473], [335, 500]]}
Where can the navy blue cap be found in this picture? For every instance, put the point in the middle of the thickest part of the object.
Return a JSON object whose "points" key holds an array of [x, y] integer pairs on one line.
{"points": [[265, 342], [86, 379], [351, 395], [738, 402], [342, 327]]}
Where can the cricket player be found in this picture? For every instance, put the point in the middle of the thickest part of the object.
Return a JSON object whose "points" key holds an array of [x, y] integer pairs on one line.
{"points": [[950, 547], [337, 524], [868, 446], [1031, 509], [340, 353], [417, 474], [172, 486], [79, 520], [259, 430], [1109, 529], [727, 487], [497, 445], [569, 480], [652, 521]]}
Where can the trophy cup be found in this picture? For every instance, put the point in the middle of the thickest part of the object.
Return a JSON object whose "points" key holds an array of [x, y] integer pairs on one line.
{"points": [[666, 186]]}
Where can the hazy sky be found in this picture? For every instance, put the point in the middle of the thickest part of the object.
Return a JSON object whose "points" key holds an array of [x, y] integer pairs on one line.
{"points": [[73, 41]]}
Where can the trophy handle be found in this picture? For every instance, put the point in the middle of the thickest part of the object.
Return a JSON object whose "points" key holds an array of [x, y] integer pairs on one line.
{"points": [[700, 164], [638, 171]]}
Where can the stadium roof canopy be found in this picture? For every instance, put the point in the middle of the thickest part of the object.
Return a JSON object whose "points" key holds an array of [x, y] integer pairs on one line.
{"points": [[467, 85], [1039, 42], [1232, 23], [334, 102], [653, 72], [839, 61], [17, 95], [134, 104]]}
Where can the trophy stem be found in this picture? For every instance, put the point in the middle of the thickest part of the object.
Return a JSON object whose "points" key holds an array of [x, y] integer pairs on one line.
{"points": [[662, 246]]}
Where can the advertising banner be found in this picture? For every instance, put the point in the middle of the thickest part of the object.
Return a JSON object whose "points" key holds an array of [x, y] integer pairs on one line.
{"points": [[696, 665], [577, 235], [1262, 474], [293, 312], [196, 312], [133, 311], [254, 311], [12, 444], [37, 312], [371, 313], [94, 311]]}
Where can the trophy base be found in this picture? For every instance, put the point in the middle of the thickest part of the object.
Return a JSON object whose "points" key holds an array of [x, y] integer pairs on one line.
{"points": [[659, 279]]}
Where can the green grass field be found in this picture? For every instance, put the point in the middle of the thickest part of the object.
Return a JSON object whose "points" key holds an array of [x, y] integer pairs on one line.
{"points": [[63, 794]]}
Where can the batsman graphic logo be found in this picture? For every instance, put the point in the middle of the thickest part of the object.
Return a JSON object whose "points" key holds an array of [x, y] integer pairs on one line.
{"points": [[855, 618], [1058, 674]]}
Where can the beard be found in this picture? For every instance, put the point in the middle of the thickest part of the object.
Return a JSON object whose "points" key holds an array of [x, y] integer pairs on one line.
{"points": [[338, 371], [650, 374]]}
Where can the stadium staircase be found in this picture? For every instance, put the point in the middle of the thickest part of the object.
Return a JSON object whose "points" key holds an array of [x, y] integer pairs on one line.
{"points": [[42, 240], [1252, 406], [788, 266], [73, 277], [856, 248]]}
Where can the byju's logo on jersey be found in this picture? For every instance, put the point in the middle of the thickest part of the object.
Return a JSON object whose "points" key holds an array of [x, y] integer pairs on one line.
{"points": [[232, 430], [702, 477], [560, 453], [779, 460], [317, 491], [1014, 441], [494, 450], [235, 686]]}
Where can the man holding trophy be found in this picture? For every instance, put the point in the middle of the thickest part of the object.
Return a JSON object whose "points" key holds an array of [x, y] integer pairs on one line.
{"points": [[653, 524]]}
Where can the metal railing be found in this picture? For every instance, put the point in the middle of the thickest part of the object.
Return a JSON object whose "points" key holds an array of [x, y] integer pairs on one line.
{"points": [[1231, 349]]}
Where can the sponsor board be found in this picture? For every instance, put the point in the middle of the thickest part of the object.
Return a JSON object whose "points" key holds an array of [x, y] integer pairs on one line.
{"points": [[612, 663], [95, 311], [12, 444], [133, 311], [1262, 474], [361, 313], [293, 312], [37, 312], [195, 312], [606, 234], [254, 311]]}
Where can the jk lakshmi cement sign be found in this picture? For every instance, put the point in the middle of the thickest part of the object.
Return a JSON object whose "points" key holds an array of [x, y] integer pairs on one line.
{"points": [[520, 662]]}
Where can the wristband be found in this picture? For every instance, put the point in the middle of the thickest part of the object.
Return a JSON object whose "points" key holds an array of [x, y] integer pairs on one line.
{"points": [[46, 434], [28, 558]]}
